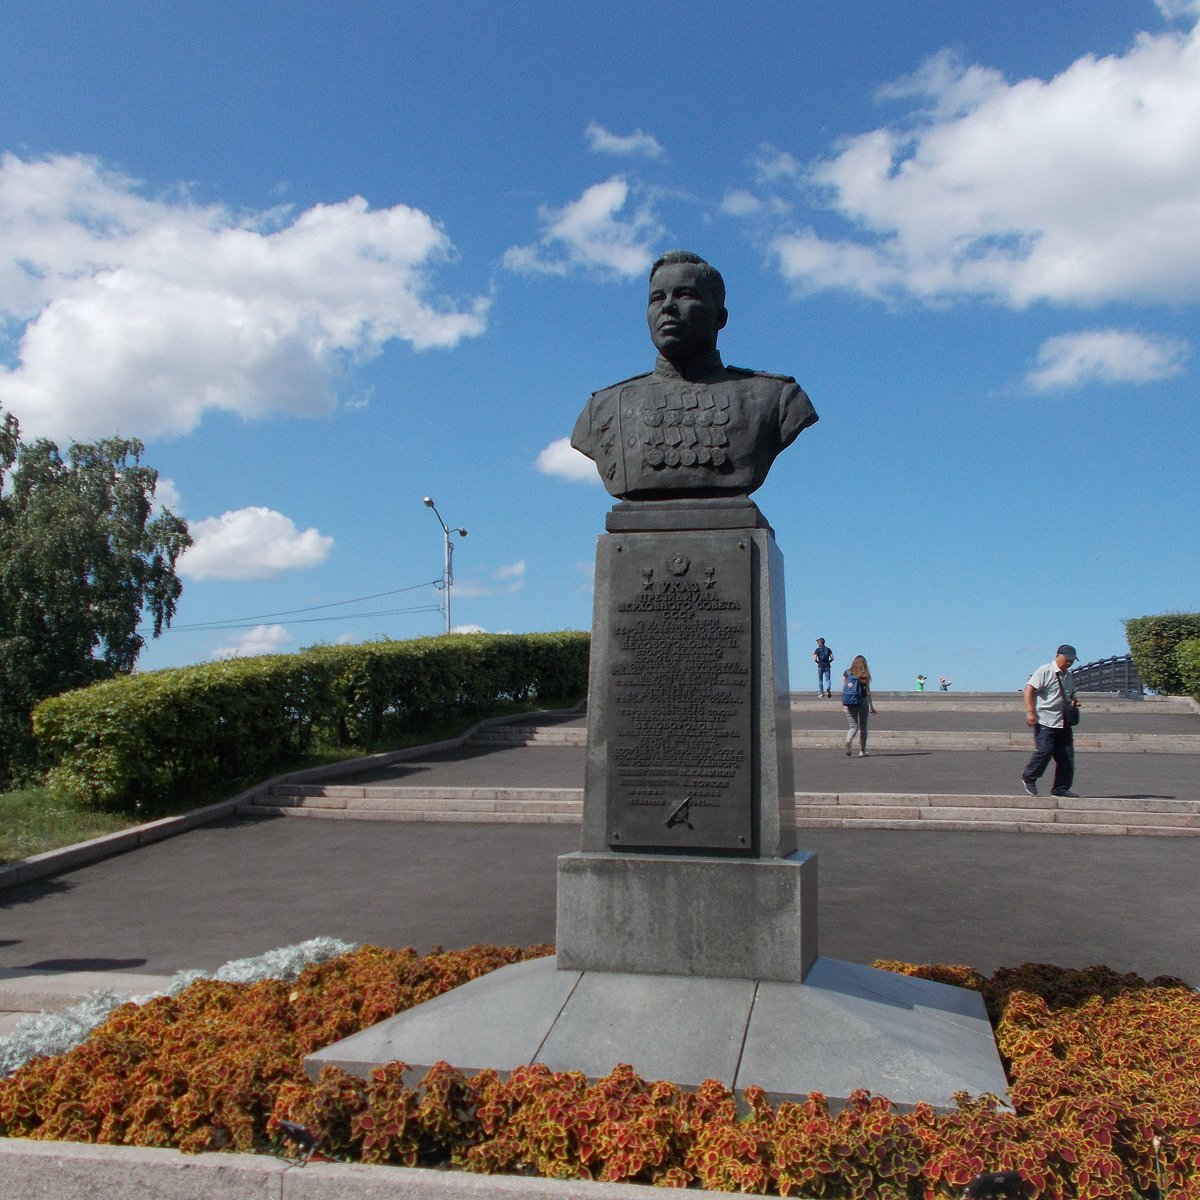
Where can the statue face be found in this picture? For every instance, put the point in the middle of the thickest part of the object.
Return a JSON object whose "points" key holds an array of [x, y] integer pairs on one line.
{"points": [[682, 314]]}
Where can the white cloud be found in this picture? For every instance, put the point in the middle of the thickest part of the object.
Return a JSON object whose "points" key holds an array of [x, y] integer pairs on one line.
{"points": [[1081, 189], [506, 579], [1178, 9], [141, 314], [166, 495], [950, 89], [467, 629], [603, 142], [1106, 356], [740, 203], [251, 543], [562, 459], [513, 571], [590, 234], [262, 639], [772, 165]]}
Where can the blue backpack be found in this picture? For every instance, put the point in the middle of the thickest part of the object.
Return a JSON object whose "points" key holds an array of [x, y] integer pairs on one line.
{"points": [[852, 690]]}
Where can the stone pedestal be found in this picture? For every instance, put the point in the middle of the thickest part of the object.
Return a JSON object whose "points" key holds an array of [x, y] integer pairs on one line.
{"points": [[675, 915], [689, 727], [687, 925], [689, 862]]}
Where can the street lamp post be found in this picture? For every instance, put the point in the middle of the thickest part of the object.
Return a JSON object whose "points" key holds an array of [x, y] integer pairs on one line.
{"points": [[448, 558]]}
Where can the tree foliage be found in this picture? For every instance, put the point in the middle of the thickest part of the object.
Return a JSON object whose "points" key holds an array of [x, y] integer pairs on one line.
{"points": [[1187, 655], [1154, 643], [82, 557]]}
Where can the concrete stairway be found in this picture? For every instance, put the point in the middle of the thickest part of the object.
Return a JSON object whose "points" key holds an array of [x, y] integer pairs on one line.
{"points": [[892, 739], [1000, 814], [863, 810], [389, 802], [817, 726]]}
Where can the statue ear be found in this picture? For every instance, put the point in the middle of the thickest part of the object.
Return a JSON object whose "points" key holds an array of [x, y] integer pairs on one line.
{"points": [[722, 318]]}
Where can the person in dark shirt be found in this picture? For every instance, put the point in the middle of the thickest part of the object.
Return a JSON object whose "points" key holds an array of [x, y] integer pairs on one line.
{"points": [[823, 657]]}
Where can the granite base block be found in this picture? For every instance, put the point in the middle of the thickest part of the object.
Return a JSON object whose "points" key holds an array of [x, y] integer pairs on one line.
{"points": [[847, 1026], [674, 915]]}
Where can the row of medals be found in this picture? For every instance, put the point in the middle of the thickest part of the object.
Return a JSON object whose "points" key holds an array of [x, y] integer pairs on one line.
{"points": [[681, 444]]}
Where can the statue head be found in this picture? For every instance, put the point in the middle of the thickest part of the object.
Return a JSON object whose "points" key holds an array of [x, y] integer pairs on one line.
{"points": [[686, 306]]}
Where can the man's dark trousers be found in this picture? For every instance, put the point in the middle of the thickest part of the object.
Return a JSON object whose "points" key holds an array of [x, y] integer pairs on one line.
{"points": [[1057, 744]]}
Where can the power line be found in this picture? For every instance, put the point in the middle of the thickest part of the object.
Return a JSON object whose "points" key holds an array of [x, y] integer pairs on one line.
{"points": [[240, 622], [251, 623]]}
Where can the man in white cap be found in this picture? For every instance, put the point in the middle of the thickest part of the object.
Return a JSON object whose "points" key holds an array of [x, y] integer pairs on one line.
{"points": [[1050, 711]]}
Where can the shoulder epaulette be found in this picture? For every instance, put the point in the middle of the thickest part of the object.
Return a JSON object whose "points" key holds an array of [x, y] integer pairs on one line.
{"points": [[622, 382], [762, 374]]}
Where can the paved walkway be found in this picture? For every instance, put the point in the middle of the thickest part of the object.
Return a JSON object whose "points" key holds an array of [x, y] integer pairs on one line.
{"points": [[1165, 766], [248, 884], [996, 772]]}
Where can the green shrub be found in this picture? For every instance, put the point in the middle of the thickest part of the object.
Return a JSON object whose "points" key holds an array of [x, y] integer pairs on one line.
{"points": [[134, 741], [1153, 642], [1187, 658]]}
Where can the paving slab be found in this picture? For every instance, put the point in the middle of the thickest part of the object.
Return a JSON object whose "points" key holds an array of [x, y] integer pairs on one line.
{"points": [[683, 1029], [851, 1026], [499, 1020], [846, 1026]]}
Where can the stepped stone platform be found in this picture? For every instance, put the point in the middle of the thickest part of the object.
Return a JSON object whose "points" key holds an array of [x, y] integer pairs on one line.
{"points": [[908, 1039], [938, 761]]}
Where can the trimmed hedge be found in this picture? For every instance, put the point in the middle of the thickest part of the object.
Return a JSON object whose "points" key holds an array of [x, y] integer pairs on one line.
{"points": [[1187, 657], [1154, 642], [132, 742]]}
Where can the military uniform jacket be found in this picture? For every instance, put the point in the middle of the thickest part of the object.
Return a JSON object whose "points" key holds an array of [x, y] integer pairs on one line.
{"points": [[708, 430]]}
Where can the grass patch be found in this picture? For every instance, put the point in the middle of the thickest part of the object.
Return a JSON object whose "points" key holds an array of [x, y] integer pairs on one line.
{"points": [[36, 819], [33, 820]]}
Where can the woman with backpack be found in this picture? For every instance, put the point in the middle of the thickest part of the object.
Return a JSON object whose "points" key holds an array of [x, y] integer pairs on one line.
{"points": [[856, 700]]}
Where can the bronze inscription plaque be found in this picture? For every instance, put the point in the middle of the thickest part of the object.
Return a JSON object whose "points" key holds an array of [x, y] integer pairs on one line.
{"points": [[680, 707]]}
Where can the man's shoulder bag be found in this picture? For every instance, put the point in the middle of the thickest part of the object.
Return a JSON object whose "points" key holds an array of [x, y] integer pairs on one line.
{"points": [[1070, 711]]}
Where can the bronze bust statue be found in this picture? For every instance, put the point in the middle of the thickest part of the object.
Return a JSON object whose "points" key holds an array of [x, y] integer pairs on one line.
{"points": [[692, 427]]}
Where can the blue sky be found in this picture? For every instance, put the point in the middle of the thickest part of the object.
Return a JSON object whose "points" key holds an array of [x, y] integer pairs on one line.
{"points": [[326, 259]]}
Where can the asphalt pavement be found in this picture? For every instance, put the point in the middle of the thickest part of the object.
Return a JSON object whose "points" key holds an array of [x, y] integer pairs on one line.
{"points": [[244, 885]]}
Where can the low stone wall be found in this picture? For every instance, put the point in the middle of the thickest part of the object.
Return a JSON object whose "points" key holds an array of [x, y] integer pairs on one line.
{"points": [[32, 1170]]}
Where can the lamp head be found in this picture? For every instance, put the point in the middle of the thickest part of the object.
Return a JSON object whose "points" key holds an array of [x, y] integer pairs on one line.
{"points": [[428, 501]]}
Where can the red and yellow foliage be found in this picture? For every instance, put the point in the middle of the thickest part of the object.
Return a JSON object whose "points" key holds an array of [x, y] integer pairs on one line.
{"points": [[1104, 1070]]}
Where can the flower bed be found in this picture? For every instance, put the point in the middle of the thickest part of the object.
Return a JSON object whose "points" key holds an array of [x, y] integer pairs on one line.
{"points": [[1105, 1072]]}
